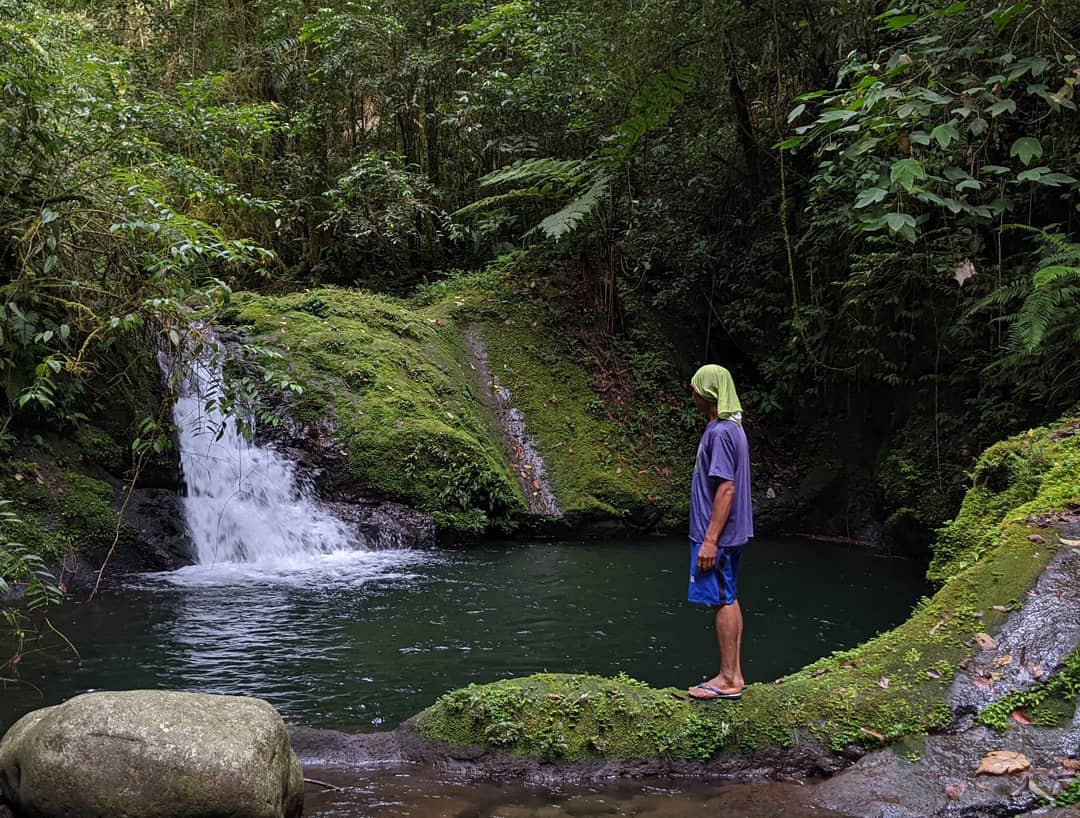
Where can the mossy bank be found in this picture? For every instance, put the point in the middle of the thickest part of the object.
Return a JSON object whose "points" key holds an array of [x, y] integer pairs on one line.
{"points": [[402, 392], [893, 687]]}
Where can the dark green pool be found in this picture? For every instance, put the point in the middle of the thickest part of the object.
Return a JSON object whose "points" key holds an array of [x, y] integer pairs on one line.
{"points": [[362, 642]]}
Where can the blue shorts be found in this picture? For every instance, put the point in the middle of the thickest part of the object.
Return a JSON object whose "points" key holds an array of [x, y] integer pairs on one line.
{"points": [[715, 587]]}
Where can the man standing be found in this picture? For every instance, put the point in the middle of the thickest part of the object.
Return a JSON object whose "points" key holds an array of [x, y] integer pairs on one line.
{"points": [[721, 522]]}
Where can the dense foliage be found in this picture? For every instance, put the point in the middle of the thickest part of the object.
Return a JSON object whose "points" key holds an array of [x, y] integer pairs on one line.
{"points": [[867, 210]]}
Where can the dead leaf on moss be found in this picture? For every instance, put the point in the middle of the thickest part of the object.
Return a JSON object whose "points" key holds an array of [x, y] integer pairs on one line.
{"points": [[940, 624], [1000, 608], [1038, 539], [883, 683], [1020, 718], [873, 733], [1002, 661], [985, 641], [933, 674], [821, 671], [985, 682], [1003, 762], [955, 790]]}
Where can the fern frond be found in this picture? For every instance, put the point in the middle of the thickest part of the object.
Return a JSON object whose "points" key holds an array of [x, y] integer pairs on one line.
{"points": [[536, 171], [570, 216], [1055, 275], [492, 202]]}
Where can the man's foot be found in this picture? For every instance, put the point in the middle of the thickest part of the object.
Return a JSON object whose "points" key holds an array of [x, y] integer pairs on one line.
{"points": [[706, 692], [718, 687]]}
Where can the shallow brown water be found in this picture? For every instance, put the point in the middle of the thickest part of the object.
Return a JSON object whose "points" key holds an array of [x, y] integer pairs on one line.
{"points": [[422, 793]]}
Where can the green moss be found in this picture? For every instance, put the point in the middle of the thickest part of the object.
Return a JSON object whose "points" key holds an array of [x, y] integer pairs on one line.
{"points": [[570, 717], [100, 448], [1069, 795], [1051, 703], [401, 388], [393, 381], [891, 687], [59, 511], [1016, 478]]}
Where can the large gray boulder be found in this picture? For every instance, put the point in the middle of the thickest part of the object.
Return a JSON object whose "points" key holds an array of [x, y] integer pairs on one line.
{"points": [[151, 754]]}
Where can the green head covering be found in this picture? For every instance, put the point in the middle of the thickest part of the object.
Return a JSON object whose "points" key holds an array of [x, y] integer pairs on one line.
{"points": [[714, 384]]}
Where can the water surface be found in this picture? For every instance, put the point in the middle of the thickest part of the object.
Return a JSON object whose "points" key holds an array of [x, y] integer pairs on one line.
{"points": [[363, 640]]}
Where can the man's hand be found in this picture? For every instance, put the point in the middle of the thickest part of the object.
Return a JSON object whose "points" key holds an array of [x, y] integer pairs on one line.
{"points": [[706, 557]]}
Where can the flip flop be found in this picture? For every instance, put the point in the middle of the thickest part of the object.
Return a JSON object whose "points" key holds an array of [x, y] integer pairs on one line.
{"points": [[717, 694]]}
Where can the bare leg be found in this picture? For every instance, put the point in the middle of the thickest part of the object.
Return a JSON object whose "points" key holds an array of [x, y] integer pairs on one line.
{"points": [[729, 626]]}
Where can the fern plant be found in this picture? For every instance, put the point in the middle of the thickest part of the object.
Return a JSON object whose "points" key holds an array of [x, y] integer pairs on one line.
{"points": [[583, 184], [1052, 308], [1044, 330]]}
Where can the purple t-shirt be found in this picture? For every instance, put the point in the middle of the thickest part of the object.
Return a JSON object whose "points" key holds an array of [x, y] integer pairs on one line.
{"points": [[722, 455]]}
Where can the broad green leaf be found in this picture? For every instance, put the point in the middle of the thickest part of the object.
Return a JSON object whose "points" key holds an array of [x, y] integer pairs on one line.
{"points": [[978, 126], [789, 143], [903, 224], [1000, 107], [919, 137], [839, 115], [906, 172], [945, 134], [48, 215], [899, 21], [896, 221], [968, 184], [872, 195], [994, 170], [796, 112], [1026, 148]]}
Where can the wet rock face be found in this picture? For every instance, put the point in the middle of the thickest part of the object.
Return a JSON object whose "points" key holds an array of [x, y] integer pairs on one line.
{"points": [[937, 776], [1032, 643], [319, 464], [151, 754]]}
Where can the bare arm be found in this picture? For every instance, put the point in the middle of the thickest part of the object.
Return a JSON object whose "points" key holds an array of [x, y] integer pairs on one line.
{"points": [[721, 508]]}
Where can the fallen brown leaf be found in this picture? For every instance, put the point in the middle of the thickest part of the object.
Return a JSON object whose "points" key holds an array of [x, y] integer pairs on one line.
{"points": [[955, 790], [1070, 543], [821, 671], [985, 682], [1002, 661], [1038, 791], [1038, 539], [883, 683], [1003, 762], [1035, 671], [1071, 764], [999, 608], [985, 641], [873, 733], [1020, 718], [933, 674]]}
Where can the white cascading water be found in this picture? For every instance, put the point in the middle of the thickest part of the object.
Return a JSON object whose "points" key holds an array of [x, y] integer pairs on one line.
{"points": [[247, 514]]}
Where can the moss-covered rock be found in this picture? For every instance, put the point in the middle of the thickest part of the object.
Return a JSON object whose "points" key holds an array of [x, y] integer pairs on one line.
{"points": [[398, 383], [1025, 475], [60, 510], [890, 687]]}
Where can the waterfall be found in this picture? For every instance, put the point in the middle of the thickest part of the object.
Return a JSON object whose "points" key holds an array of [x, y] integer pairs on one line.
{"points": [[244, 504]]}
